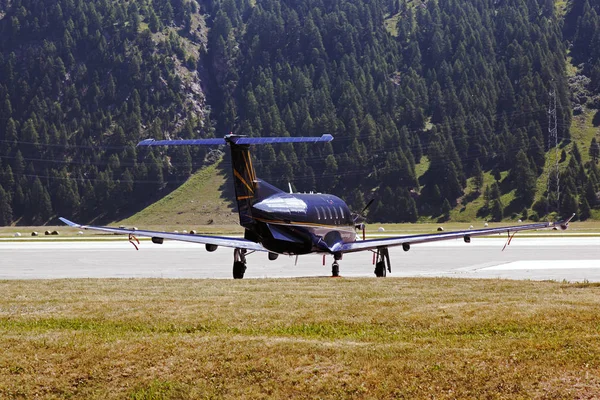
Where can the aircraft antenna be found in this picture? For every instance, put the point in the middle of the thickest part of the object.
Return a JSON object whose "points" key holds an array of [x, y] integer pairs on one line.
{"points": [[553, 180]]}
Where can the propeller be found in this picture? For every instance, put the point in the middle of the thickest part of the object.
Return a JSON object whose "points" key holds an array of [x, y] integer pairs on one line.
{"points": [[360, 218]]}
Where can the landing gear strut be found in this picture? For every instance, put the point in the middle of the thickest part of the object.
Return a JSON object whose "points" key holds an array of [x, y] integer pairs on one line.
{"points": [[239, 263], [383, 262], [335, 267]]}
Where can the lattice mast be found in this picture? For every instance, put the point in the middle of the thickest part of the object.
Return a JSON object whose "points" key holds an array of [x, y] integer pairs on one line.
{"points": [[553, 176]]}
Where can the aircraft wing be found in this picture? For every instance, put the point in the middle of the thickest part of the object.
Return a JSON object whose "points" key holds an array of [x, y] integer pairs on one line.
{"points": [[435, 237], [185, 237]]}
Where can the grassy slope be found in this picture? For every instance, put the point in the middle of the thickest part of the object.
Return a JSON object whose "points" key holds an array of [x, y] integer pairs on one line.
{"points": [[466, 211], [299, 338], [199, 201], [390, 22]]}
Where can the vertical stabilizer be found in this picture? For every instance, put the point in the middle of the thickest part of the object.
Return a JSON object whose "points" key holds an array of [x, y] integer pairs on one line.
{"points": [[244, 181]]}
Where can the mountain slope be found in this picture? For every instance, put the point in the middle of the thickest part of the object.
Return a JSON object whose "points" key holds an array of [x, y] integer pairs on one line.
{"points": [[463, 83], [81, 83], [199, 201]]}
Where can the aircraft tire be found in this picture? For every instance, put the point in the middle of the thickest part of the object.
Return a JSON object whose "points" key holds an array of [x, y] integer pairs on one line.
{"points": [[238, 270], [335, 269], [380, 269]]}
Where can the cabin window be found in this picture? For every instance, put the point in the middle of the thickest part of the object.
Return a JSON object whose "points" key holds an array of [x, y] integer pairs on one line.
{"points": [[318, 213], [341, 212], [329, 209], [323, 212], [335, 212]]}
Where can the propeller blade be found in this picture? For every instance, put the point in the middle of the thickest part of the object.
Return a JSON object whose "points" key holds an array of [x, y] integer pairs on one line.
{"points": [[367, 206]]}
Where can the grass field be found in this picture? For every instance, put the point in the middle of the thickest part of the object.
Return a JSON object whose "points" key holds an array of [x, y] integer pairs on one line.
{"points": [[307, 338]]}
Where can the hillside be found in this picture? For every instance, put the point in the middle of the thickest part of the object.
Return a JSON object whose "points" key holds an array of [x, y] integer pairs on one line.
{"points": [[439, 108], [81, 82], [199, 201]]}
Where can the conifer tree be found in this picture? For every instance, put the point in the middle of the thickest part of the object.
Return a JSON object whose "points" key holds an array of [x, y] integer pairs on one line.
{"points": [[477, 176], [524, 178], [6, 214], [594, 150], [584, 209]]}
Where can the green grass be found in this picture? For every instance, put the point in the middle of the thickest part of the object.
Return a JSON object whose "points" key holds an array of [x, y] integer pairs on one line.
{"points": [[422, 167], [582, 132], [467, 211], [299, 338], [391, 22]]}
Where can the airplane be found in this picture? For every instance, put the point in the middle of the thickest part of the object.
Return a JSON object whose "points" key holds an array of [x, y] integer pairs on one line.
{"points": [[281, 223]]}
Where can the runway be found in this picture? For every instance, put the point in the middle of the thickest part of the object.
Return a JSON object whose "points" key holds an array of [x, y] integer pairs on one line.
{"points": [[552, 258]]}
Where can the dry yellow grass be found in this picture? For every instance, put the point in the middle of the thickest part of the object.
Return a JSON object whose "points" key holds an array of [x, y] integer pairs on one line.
{"points": [[306, 338]]}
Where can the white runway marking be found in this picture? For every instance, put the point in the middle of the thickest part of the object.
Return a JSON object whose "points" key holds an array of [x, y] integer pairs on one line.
{"points": [[544, 265]]}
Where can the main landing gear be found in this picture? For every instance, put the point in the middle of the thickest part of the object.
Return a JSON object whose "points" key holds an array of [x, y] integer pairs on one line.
{"points": [[383, 262], [239, 263]]}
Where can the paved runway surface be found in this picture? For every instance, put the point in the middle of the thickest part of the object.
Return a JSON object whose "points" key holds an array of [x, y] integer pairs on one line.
{"points": [[571, 259]]}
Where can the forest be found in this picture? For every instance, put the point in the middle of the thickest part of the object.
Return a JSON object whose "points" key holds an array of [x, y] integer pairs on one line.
{"points": [[431, 103]]}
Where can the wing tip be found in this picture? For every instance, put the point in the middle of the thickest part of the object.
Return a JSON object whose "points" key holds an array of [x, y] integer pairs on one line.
{"points": [[146, 142], [70, 223]]}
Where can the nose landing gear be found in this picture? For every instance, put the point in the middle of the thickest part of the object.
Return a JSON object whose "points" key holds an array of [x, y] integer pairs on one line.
{"points": [[335, 267]]}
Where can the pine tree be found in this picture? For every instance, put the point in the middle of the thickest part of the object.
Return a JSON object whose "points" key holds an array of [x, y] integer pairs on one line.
{"points": [[477, 176], [6, 213], [590, 194], [496, 174], [446, 208], [524, 179], [153, 22], [584, 209], [497, 212], [39, 207], [594, 150]]}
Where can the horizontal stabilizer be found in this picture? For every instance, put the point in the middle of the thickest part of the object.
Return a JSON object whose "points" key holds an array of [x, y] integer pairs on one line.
{"points": [[183, 142], [268, 140], [235, 139]]}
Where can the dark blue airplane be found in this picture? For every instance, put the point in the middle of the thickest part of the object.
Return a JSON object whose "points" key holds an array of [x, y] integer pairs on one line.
{"points": [[295, 223]]}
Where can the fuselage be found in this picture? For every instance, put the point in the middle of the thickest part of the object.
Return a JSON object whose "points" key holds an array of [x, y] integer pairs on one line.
{"points": [[299, 223]]}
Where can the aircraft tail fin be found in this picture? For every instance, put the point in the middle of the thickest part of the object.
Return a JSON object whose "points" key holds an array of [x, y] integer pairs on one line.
{"points": [[244, 177]]}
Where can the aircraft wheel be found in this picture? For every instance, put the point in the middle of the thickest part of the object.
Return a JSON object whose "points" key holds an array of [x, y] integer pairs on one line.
{"points": [[238, 270], [335, 269], [380, 271]]}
